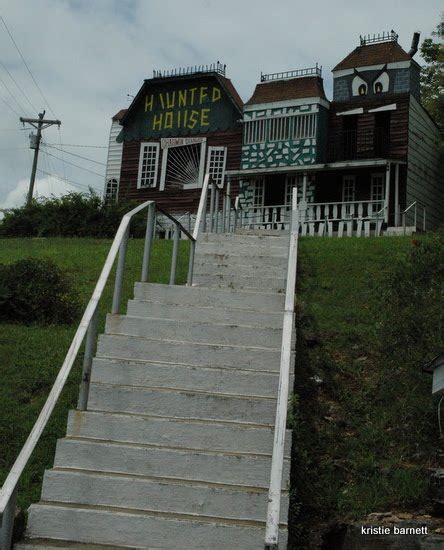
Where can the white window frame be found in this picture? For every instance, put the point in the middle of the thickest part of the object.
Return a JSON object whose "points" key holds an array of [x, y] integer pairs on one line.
{"points": [[214, 148], [203, 146], [113, 184], [155, 145], [347, 180], [291, 181], [377, 179], [258, 185]]}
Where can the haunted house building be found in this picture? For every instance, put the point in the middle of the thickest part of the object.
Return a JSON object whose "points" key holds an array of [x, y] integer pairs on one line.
{"points": [[369, 155]]}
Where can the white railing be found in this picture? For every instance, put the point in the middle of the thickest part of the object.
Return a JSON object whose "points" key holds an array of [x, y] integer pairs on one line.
{"points": [[340, 211], [416, 209], [277, 461], [88, 328], [266, 217]]}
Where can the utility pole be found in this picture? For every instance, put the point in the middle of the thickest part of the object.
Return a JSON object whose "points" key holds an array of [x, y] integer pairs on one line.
{"points": [[40, 124]]}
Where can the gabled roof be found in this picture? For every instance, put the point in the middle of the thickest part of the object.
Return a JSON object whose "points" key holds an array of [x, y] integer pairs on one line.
{"points": [[373, 54], [283, 90], [119, 115], [226, 84]]}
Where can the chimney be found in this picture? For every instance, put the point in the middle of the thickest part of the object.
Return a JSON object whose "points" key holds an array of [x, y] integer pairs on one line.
{"points": [[415, 42]]}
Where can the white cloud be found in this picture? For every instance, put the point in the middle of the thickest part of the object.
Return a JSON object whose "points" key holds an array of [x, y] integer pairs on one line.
{"points": [[44, 187]]}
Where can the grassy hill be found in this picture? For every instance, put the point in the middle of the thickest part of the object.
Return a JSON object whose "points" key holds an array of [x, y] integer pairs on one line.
{"points": [[362, 440]]}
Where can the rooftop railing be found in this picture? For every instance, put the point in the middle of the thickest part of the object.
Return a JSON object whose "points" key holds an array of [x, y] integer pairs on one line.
{"points": [[310, 71]]}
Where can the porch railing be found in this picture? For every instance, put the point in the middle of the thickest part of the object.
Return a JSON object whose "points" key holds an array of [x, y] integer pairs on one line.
{"points": [[417, 214], [88, 328]]}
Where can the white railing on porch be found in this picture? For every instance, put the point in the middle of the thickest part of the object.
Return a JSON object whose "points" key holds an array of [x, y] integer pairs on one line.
{"points": [[358, 217]]}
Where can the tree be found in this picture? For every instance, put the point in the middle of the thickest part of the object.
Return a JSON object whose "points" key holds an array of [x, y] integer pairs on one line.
{"points": [[432, 75]]}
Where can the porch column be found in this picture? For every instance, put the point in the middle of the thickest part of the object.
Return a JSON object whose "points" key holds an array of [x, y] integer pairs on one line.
{"points": [[387, 192], [396, 195], [304, 187]]}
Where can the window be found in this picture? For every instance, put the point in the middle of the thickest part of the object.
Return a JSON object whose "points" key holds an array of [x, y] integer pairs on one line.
{"points": [[290, 183], [304, 126], [348, 188], [111, 189], [377, 190], [258, 193], [378, 87], [216, 164], [359, 86], [279, 128], [254, 131], [381, 84], [148, 163]]}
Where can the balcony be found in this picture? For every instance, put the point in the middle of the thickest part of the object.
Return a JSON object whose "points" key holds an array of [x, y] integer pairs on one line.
{"points": [[356, 145]]}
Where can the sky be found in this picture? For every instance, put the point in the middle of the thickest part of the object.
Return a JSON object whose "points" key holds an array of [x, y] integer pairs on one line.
{"points": [[86, 56]]}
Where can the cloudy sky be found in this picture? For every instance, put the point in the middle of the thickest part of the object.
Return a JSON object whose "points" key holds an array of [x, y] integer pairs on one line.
{"points": [[86, 56]]}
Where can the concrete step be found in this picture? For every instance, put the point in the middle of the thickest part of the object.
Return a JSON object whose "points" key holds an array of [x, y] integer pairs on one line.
{"points": [[174, 432], [56, 544], [262, 232], [150, 494], [200, 296], [242, 249], [181, 404], [193, 465], [245, 270], [278, 240], [192, 313], [165, 375], [226, 334], [186, 353], [234, 258], [269, 284], [103, 525]]}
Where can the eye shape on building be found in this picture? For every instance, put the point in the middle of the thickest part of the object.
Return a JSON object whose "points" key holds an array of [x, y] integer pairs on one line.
{"points": [[359, 86], [381, 84]]}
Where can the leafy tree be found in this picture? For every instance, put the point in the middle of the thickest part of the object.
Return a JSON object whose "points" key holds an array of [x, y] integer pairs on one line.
{"points": [[432, 75]]}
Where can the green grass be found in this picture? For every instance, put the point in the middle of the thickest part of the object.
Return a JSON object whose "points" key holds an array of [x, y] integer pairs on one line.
{"points": [[32, 355], [365, 436]]}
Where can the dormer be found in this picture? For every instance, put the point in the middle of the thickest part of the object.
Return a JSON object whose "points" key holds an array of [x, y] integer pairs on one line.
{"points": [[285, 120], [379, 66]]}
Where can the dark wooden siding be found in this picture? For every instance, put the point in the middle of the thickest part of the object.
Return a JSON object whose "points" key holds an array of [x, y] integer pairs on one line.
{"points": [[398, 135], [172, 199]]}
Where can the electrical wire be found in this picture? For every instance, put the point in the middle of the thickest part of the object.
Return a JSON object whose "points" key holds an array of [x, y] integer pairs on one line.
{"points": [[66, 180], [76, 165], [19, 105], [27, 66], [17, 85], [75, 145], [9, 107], [73, 154]]}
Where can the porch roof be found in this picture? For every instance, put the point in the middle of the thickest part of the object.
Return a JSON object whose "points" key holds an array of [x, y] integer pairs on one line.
{"points": [[312, 167]]}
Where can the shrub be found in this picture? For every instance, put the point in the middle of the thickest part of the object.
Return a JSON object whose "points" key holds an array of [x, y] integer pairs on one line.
{"points": [[72, 215], [36, 290]]}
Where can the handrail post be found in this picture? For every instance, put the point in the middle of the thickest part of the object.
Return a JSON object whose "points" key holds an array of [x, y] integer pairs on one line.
{"points": [[216, 210], [7, 522], [119, 273], [87, 361], [211, 208], [174, 257], [148, 243], [191, 263]]}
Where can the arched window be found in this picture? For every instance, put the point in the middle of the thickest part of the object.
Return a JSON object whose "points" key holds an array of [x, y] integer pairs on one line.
{"points": [[362, 90]]}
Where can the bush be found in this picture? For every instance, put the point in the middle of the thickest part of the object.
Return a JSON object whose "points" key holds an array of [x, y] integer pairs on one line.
{"points": [[72, 215], [35, 290]]}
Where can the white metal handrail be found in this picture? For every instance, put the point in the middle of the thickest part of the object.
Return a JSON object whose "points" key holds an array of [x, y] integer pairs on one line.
{"points": [[414, 206], [87, 327], [277, 461]]}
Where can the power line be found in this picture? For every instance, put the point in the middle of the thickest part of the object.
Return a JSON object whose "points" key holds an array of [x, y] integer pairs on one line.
{"points": [[18, 87], [26, 65], [13, 148], [76, 165], [9, 107], [12, 129], [21, 108], [73, 154], [72, 145], [75, 183]]}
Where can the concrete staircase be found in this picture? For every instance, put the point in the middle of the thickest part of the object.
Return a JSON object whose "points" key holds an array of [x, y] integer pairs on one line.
{"points": [[174, 450]]}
